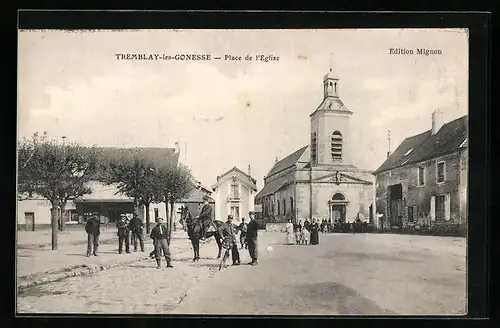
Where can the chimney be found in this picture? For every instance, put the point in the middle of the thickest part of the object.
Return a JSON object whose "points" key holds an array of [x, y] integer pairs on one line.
{"points": [[437, 121], [177, 148], [249, 170], [388, 154]]}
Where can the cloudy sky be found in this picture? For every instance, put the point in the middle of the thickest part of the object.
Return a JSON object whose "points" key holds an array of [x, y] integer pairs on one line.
{"points": [[232, 113]]}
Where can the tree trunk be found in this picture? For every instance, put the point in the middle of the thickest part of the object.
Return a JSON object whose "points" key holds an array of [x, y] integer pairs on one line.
{"points": [[54, 217], [148, 219], [63, 215], [171, 221], [167, 219]]}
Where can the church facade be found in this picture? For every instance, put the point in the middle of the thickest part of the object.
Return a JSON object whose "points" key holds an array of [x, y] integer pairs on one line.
{"points": [[320, 180]]}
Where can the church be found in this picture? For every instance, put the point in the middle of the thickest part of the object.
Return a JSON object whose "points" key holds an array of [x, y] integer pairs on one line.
{"points": [[320, 180]]}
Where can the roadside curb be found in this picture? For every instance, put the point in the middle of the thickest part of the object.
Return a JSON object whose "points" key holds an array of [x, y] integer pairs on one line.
{"points": [[79, 270]]}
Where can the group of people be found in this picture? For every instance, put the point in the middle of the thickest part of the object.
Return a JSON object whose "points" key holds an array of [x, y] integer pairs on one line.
{"points": [[248, 238], [303, 234], [130, 232]]}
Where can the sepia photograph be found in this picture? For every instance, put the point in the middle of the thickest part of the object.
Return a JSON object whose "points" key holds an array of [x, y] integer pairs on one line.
{"points": [[242, 172]]}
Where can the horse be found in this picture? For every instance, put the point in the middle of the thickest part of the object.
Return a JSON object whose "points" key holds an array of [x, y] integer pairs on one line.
{"points": [[194, 230]]}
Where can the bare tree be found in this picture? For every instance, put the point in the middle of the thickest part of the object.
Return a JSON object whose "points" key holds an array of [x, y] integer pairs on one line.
{"points": [[55, 172]]}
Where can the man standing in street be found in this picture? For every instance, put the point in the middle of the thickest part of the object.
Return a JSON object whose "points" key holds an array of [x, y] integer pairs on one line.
{"points": [[205, 217], [123, 234], [93, 228], [136, 225], [159, 236], [229, 233], [252, 235], [243, 233]]}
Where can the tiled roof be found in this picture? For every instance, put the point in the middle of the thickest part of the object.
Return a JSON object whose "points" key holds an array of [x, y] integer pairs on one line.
{"points": [[274, 185], [425, 146], [157, 156], [287, 161]]}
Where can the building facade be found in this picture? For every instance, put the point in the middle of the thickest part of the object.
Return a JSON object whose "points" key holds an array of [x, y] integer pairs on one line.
{"points": [[424, 182], [320, 180], [104, 199], [234, 194]]}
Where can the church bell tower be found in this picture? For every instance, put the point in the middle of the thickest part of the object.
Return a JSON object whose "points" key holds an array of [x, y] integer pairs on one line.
{"points": [[331, 127]]}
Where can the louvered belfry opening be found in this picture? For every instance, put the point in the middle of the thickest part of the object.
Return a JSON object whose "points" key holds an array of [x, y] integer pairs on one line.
{"points": [[336, 146]]}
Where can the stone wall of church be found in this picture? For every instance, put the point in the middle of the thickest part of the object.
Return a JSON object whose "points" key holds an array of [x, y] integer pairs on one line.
{"points": [[359, 198], [302, 200]]}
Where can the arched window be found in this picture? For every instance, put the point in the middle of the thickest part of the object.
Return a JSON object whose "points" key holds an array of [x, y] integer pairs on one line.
{"points": [[291, 205], [284, 207], [314, 157], [338, 197], [336, 146], [279, 210]]}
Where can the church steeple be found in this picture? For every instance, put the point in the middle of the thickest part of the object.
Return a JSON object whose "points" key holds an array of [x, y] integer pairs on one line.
{"points": [[330, 85]]}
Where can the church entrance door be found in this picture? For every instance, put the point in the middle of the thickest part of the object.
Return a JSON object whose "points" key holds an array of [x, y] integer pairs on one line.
{"points": [[338, 213]]}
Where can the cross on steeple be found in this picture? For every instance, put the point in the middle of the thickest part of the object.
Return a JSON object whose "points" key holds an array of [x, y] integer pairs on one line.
{"points": [[331, 61]]}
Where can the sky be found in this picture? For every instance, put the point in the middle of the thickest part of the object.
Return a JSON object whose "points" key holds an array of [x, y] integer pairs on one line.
{"points": [[236, 113]]}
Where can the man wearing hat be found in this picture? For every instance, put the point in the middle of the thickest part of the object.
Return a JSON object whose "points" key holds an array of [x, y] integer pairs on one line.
{"points": [[252, 235], [93, 231], [205, 217], [159, 235], [123, 233], [136, 225], [229, 234]]}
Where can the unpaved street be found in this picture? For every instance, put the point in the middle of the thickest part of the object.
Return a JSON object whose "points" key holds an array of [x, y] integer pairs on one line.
{"points": [[346, 274]]}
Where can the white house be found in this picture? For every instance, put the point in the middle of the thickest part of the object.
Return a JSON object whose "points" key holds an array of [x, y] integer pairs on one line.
{"points": [[234, 194]]}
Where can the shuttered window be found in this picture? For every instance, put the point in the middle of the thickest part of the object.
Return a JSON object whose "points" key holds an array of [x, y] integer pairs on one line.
{"points": [[447, 207], [432, 213]]}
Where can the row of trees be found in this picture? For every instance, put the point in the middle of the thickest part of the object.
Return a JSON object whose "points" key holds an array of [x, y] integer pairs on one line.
{"points": [[61, 173]]}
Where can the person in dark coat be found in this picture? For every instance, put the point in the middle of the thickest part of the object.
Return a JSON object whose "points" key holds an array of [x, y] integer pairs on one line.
{"points": [[205, 217], [137, 229], [314, 229], [159, 235], [123, 234], [243, 233], [229, 234], [252, 238], [93, 228]]}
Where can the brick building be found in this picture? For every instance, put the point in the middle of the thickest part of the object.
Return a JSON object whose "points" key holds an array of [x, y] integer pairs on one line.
{"points": [[424, 182], [320, 180]]}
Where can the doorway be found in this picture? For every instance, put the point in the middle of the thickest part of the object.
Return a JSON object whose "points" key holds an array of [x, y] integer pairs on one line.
{"points": [[395, 196], [338, 213], [29, 221]]}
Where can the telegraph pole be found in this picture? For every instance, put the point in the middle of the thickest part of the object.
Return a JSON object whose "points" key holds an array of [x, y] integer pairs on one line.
{"points": [[389, 140]]}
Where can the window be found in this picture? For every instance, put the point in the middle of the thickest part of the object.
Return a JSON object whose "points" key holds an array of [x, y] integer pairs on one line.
{"points": [[314, 157], [279, 212], [235, 191], [291, 205], [284, 207], [410, 214], [421, 176], [440, 174], [336, 146], [440, 207], [156, 213], [235, 212]]}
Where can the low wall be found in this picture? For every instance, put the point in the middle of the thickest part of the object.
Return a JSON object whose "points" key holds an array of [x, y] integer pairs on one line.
{"points": [[279, 227]]}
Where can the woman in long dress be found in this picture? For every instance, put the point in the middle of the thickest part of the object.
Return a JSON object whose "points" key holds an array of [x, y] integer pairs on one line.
{"points": [[290, 235], [314, 228]]}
